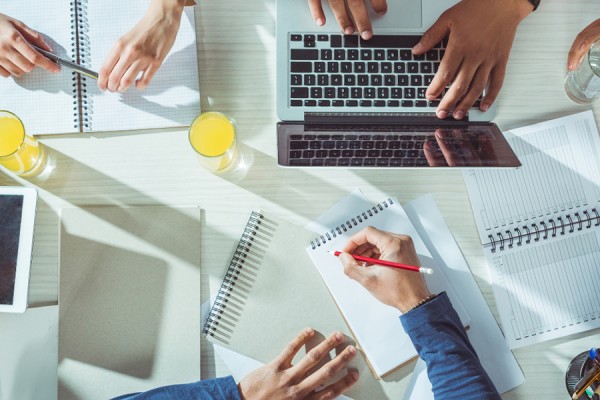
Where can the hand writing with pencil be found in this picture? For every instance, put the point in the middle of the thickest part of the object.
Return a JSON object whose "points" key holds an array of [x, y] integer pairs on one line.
{"points": [[395, 287]]}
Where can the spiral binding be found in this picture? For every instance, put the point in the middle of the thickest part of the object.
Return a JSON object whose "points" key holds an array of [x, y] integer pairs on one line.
{"points": [[239, 277], [80, 53], [349, 224], [544, 229]]}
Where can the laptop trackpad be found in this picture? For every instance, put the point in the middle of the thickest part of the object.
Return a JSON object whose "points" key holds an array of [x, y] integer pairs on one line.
{"points": [[400, 14]]}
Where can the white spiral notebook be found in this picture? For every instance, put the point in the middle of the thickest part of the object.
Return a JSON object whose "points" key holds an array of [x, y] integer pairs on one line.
{"points": [[539, 226], [84, 31]]}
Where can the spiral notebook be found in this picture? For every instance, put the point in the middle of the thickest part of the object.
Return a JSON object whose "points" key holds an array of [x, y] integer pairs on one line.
{"points": [[540, 230], [375, 325], [84, 31]]}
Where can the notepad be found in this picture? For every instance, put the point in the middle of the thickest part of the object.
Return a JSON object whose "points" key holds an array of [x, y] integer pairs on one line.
{"points": [[540, 230], [84, 31], [374, 324]]}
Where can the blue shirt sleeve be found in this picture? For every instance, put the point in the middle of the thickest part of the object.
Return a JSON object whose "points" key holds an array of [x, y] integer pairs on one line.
{"points": [[210, 389], [453, 367]]}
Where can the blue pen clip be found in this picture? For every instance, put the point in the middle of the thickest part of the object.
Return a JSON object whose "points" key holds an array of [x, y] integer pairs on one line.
{"points": [[594, 356]]}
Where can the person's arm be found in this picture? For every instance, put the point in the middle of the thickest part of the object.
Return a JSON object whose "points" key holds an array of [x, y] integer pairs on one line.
{"points": [[210, 389], [17, 57], [441, 341], [277, 380], [582, 43], [432, 324], [142, 49]]}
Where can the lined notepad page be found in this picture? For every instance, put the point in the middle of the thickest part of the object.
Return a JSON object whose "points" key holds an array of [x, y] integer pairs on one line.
{"points": [[374, 324], [173, 96], [541, 282], [44, 101]]}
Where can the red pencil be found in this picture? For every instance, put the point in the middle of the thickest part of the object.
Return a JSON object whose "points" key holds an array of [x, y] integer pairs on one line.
{"points": [[413, 268]]}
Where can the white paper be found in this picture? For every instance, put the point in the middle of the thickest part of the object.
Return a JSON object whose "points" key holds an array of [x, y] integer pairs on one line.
{"points": [[484, 333], [376, 325], [538, 225]]}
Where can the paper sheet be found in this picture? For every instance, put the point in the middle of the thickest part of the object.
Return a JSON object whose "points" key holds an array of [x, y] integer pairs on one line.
{"points": [[483, 332]]}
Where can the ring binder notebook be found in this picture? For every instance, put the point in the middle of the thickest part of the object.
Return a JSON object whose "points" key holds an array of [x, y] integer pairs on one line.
{"points": [[539, 230], [85, 32]]}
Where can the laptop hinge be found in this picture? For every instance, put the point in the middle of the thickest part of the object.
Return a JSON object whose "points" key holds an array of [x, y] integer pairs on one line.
{"points": [[356, 119]]}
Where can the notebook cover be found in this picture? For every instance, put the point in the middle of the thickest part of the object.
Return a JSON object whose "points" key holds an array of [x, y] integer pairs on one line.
{"points": [[275, 295], [129, 299]]}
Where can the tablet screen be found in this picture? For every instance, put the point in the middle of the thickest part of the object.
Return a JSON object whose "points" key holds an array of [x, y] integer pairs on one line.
{"points": [[11, 210]]}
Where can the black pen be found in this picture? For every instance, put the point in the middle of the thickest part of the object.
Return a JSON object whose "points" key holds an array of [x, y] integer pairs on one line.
{"points": [[71, 65]]}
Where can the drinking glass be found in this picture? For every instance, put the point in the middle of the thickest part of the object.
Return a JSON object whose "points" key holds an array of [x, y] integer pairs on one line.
{"points": [[583, 83], [212, 135], [19, 152]]}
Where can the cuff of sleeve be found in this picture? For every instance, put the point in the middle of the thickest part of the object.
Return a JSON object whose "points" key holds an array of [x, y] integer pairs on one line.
{"points": [[228, 388], [431, 311]]}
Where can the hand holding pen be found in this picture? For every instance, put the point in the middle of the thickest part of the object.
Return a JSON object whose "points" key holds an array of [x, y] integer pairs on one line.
{"points": [[395, 287]]}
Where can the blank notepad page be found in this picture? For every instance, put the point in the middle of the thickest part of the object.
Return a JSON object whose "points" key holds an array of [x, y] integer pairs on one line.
{"points": [[173, 96]]}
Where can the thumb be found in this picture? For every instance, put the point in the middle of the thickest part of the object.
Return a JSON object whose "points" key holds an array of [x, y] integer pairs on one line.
{"points": [[434, 35], [578, 50], [352, 268], [30, 35]]}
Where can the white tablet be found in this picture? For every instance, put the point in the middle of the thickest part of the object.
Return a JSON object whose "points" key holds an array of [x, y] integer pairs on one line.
{"points": [[17, 216]]}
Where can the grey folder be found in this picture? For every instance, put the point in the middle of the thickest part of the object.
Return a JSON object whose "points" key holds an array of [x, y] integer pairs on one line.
{"points": [[272, 291], [129, 299]]}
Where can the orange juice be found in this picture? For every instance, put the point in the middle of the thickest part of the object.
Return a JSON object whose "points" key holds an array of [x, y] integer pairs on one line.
{"points": [[212, 135], [19, 152]]}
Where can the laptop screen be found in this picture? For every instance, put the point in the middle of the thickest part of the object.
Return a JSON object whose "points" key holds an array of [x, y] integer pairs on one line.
{"points": [[11, 209], [402, 145]]}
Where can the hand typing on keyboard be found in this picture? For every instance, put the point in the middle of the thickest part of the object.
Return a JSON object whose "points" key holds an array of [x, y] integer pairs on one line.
{"points": [[347, 10], [480, 35]]}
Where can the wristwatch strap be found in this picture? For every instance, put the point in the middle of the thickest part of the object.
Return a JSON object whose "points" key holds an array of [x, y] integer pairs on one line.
{"points": [[535, 4]]}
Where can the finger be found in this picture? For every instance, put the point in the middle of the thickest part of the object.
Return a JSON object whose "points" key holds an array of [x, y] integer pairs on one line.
{"points": [[130, 76], [434, 35], [449, 67], [4, 73], [361, 18], [328, 371], [284, 360], [147, 76], [20, 61], [336, 389], [341, 15], [31, 35], [315, 355], [353, 270], [370, 235], [496, 81], [379, 6], [316, 10], [434, 156], [116, 75], [31, 58], [107, 67], [477, 87], [459, 87], [13, 70]]}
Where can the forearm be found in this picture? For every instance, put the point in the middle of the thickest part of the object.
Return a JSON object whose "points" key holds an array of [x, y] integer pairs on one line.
{"points": [[211, 389], [441, 341]]}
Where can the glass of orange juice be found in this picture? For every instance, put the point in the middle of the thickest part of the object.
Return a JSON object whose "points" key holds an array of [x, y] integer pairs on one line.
{"points": [[212, 135], [19, 152]]}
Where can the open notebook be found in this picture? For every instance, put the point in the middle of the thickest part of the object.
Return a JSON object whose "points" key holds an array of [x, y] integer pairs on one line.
{"points": [[375, 325], [540, 230], [85, 31]]}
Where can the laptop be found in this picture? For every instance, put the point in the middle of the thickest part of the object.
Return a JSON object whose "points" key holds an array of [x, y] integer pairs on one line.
{"points": [[348, 102]]}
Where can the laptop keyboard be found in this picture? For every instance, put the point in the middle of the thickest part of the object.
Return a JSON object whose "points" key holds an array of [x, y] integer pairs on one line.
{"points": [[329, 71], [357, 150]]}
